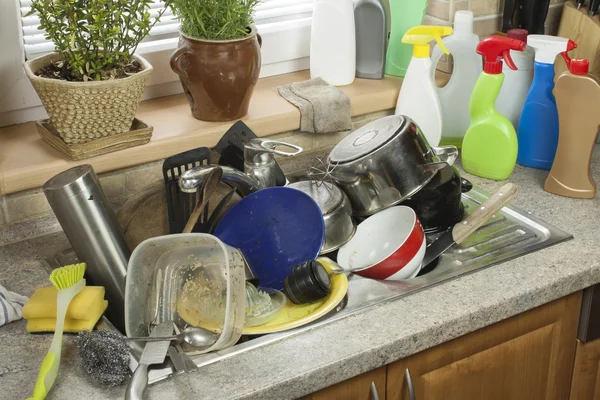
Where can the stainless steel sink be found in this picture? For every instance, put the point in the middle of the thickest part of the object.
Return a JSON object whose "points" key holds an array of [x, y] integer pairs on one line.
{"points": [[509, 234]]}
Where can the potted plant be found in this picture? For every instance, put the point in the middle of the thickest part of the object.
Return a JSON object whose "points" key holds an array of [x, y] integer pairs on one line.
{"points": [[92, 84], [218, 59]]}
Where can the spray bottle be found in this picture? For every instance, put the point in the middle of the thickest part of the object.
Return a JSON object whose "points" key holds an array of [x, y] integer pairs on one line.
{"points": [[538, 126], [418, 98], [490, 145]]}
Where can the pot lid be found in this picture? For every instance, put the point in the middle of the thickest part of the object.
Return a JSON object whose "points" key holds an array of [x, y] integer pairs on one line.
{"points": [[367, 139], [327, 195]]}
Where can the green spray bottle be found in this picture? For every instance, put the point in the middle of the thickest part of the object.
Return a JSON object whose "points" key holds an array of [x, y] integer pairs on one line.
{"points": [[490, 146]]}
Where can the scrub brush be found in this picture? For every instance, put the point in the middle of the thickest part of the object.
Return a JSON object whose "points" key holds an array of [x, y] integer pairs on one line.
{"points": [[69, 281]]}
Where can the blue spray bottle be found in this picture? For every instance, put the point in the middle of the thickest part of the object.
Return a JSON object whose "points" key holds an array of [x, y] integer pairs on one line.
{"points": [[538, 127]]}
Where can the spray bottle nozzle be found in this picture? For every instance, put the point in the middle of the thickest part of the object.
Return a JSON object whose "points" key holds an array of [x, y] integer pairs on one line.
{"points": [[420, 37], [494, 49], [565, 54]]}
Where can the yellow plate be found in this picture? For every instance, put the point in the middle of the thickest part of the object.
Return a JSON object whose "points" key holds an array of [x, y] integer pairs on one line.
{"points": [[295, 315]]}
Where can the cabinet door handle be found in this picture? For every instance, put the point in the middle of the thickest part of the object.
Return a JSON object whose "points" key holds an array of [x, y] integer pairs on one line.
{"points": [[409, 385], [374, 393]]}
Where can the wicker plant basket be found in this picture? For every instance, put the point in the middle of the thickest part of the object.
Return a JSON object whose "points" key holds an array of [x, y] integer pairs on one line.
{"points": [[86, 111]]}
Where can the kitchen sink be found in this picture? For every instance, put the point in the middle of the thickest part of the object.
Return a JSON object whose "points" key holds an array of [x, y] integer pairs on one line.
{"points": [[509, 234]]}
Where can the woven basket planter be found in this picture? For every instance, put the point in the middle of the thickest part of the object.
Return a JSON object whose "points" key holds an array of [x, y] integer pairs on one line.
{"points": [[86, 111]]}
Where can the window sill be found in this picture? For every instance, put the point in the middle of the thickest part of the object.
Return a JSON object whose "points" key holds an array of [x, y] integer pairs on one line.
{"points": [[26, 162]]}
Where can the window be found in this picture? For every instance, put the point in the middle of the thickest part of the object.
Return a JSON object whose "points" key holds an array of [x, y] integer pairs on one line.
{"points": [[283, 24]]}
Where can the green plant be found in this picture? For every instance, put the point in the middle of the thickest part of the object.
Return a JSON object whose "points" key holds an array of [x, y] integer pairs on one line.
{"points": [[95, 37], [214, 19]]}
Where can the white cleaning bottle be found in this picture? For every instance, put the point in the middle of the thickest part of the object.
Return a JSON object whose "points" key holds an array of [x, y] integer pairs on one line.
{"points": [[418, 98], [468, 65], [516, 85], [333, 42]]}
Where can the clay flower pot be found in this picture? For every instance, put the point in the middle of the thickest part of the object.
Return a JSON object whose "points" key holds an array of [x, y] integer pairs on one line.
{"points": [[218, 76]]}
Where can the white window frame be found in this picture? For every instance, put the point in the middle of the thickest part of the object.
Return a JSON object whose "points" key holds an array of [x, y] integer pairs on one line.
{"points": [[285, 49]]}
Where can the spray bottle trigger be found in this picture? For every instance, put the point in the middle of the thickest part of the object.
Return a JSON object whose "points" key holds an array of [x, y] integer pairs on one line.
{"points": [[566, 58], [509, 61], [440, 43]]}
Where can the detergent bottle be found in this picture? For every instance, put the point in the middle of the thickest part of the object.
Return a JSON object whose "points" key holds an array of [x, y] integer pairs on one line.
{"points": [[538, 126], [418, 98], [490, 145], [454, 97], [405, 14]]}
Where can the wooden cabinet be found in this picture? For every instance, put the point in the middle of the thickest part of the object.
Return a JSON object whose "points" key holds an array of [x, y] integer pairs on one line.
{"points": [[586, 372], [358, 388], [529, 357]]}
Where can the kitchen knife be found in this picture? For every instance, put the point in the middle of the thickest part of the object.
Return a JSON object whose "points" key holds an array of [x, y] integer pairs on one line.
{"points": [[539, 17], [594, 4], [526, 14], [154, 353], [463, 229], [508, 15]]}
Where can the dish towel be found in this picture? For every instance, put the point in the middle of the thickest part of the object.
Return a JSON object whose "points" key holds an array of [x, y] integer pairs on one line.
{"points": [[323, 108], [11, 306]]}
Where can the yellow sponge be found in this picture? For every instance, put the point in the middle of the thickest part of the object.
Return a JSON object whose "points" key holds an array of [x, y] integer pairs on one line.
{"points": [[42, 303], [71, 325]]}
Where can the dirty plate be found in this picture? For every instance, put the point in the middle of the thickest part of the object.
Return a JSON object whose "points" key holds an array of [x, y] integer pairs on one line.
{"points": [[275, 228]]}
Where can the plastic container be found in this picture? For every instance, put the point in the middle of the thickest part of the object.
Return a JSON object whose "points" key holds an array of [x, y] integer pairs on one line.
{"points": [[538, 126], [490, 144], [405, 14], [577, 98], [333, 42], [192, 277], [418, 98], [454, 97], [371, 38]]}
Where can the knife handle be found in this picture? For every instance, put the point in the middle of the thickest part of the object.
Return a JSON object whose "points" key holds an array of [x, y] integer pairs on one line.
{"points": [[138, 383], [478, 217]]}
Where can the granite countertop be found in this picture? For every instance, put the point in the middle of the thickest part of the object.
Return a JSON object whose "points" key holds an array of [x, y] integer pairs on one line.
{"points": [[317, 358]]}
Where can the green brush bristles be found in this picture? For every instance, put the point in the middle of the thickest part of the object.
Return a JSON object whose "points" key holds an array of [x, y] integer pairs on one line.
{"points": [[67, 276]]}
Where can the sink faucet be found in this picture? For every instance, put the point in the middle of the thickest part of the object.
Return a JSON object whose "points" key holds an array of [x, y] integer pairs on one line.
{"points": [[192, 179]]}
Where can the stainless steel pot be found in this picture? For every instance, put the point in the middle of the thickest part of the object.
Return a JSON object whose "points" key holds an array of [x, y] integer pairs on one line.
{"points": [[337, 212], [384, 162]]}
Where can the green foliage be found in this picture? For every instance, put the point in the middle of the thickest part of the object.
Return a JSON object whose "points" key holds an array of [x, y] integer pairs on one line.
{"points": [[214, 19], [96, 37]]}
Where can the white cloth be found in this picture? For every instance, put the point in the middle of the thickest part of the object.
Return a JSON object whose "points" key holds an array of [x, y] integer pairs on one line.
{"points": [[11, 306]]}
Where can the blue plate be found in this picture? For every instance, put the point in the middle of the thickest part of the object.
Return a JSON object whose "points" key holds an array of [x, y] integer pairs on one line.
{"points": [[275, 228]]}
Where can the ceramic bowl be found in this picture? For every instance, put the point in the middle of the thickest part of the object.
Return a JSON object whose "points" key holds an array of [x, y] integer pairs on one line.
{"points": [[389, 245]]}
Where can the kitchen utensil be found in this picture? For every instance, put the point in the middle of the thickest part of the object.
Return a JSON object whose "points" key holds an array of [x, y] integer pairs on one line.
{"points": [[192, 273], [192, 335], [390, 243], [593, 10], [210, 184], [188, 363], [308, 282], [69, 282], [438, 204], [295, 315], [275, 228], [526, 15], [336, 209], [176, 359], [539, 16], [580, 3], [385, 162], [259, 160], [463, 229], [231, 150], [508, 16], [219, 211], [180, 204], [88, 220], [154, 353], [262, 304], [104, 355]]}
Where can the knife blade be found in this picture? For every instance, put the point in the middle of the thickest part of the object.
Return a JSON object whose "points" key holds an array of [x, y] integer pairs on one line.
{"points": [[463, 229], [154, 353]]}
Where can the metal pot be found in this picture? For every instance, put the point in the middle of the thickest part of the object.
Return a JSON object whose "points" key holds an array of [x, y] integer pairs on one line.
{"points": [[337, 212], [385, 162]]}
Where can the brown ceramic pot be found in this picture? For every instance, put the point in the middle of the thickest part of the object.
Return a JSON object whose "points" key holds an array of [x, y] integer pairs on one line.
{"points": [[218, 76]]}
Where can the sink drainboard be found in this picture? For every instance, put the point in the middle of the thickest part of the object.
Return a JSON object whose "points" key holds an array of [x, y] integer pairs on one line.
{"points": [[509, 234]]}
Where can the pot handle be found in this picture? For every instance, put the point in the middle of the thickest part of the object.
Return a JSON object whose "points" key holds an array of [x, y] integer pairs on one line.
{"points": [[259, 40], [175, 58], [446, 154]]}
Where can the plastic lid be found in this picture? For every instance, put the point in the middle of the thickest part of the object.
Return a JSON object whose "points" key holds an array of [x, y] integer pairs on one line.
{"points": [[579, 66], [518, 33], [463, 23]]}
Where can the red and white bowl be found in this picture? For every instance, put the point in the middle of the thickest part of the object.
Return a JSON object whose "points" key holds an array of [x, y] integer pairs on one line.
{"points": [[389, 245]]}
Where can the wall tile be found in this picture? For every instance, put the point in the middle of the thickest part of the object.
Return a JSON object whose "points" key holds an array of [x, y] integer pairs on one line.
{"points": [[486, 7], [458, 5], [26, 205], [487, 26], [113, 184], [138, 179], [439, 9]]}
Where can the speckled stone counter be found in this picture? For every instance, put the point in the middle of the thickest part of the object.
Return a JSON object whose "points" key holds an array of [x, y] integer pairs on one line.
{"points": [[323, 356]]}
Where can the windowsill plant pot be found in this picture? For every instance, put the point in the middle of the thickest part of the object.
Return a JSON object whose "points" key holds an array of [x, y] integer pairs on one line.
{"points": [[218, 76], [84, 111]]}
